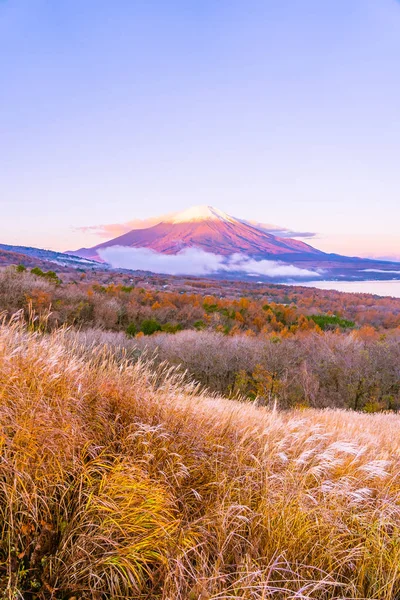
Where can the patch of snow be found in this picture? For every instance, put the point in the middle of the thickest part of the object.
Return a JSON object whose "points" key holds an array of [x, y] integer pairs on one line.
{"points": [[200, 213]]}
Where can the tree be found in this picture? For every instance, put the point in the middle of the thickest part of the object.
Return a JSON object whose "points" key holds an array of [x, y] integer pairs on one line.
{"points": [[49, 275], [150, 326]]}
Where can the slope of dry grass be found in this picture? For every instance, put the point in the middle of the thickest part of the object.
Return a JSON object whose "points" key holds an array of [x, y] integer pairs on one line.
{"points": [[119, 482]]}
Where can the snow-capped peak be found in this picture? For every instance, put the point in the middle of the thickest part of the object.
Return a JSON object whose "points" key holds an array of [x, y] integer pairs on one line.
{"points": [[200, 213]]}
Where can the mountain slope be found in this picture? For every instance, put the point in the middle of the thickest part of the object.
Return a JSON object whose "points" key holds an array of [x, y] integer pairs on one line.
{"points": [[210, 230]]}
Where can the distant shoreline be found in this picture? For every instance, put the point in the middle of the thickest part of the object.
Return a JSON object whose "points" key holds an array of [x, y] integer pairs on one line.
{"points": [[389, 287]]}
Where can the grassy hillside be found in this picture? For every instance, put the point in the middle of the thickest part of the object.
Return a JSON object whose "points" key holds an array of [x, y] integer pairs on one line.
{"points": [[120, 481]]}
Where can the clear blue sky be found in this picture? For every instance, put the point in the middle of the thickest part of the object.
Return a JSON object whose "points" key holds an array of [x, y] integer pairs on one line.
{"points": [[282, 111]]}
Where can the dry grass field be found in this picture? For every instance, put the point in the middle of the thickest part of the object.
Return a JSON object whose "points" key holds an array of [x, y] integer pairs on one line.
{"points": [[120, 480]]}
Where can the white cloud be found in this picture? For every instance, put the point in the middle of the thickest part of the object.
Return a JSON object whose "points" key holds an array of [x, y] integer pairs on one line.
{"points": [[271, 268], [380, 271], [280, 232], [193, 261]]}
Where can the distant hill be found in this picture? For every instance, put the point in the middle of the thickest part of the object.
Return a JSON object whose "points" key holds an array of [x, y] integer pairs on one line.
{"points": [[31, 257], [8, 258]]}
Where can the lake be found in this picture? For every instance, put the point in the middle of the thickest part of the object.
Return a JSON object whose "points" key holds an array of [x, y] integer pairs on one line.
{"points": [[381, 288]]}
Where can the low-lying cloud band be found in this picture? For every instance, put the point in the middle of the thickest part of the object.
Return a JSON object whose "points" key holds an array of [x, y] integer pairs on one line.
{"points": [[193, 261]]}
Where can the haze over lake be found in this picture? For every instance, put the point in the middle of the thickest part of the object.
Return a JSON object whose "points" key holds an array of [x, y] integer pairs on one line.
{"points": [[381, 288]]}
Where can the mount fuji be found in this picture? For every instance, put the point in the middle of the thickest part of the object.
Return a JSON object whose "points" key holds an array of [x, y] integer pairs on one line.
{"points": [[204, 240], [205, 228]]}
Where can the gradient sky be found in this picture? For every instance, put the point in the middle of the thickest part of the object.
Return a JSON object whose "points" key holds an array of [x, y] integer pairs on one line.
{"points": [[280, 111]]}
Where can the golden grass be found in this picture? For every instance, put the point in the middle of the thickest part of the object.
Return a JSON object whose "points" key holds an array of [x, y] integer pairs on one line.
{"points": [[120, 482]]}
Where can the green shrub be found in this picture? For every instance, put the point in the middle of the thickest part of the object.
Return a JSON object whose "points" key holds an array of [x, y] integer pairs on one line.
{"points": [[326, 322], [49, 275], [131, 330], [150, 326], [210, 308], [38, 272], [52, 276]]}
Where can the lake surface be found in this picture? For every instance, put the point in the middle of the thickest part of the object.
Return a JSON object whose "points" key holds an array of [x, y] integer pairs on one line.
{"points": [[381, 288]]}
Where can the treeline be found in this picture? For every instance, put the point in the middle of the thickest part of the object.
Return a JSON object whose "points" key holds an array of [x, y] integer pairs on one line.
{"points": [[137, 310], [314, 370]]}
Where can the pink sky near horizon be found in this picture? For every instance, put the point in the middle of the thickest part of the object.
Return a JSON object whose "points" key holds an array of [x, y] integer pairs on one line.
{"points": [[369, 245], [364, 245]]}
